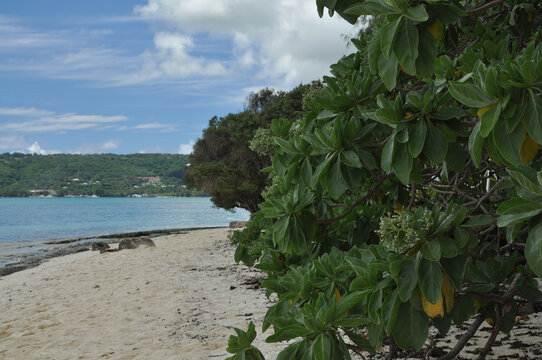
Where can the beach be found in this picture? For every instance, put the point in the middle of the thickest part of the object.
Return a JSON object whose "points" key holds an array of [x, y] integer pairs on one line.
{"points": [[178, 300]]}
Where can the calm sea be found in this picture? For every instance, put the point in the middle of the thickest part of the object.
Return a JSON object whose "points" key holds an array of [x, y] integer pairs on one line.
{"points": [[34, 220]]}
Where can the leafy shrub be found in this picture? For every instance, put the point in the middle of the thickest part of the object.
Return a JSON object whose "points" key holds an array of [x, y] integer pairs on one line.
{"points": [[411, 194]]}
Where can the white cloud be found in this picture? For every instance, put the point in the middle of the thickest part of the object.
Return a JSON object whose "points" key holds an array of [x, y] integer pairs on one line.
{"points": [[24, 112], [197, 44], [35, 148], [186, 148], [96, 148], [151, 126], [285, 40], [14, 36], [62, 122], [11, 142]]}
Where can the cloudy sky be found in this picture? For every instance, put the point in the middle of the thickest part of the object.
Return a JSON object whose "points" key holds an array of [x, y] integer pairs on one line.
{"points": [[129, 76]]}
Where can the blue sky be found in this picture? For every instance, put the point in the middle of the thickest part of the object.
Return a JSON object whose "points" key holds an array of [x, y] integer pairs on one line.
{"points": [[146, 76]]}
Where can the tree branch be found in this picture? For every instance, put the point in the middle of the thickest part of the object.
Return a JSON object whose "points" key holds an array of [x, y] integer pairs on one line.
{"points": [[369, 194], [465, 338], [484, 7], [496, 328]]}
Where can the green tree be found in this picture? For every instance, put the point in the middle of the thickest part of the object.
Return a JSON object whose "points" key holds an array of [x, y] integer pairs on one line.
{"points": [[224, 165], [411, 194]]}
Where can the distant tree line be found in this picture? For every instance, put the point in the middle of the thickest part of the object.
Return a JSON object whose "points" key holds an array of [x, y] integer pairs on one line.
{"points": [[107, 175]]}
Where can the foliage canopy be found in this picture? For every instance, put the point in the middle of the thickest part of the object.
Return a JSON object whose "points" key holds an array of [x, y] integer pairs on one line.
{"points": [[411, 194], [223, 163]]}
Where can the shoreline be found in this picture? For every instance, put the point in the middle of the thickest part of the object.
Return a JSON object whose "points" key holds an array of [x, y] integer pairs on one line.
{"points": [[65, 246]]}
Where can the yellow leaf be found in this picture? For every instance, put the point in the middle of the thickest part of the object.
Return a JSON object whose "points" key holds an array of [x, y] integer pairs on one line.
{"points": [[490, 321], [437, 29], [398, 207], [448, 292], [337, 294], [408, 115], [433, 310], [485, 109], [529, 149], [457, 74]]}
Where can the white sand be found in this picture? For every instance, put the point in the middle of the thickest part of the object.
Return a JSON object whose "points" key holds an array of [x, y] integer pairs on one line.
{"points": [[169, 302]]}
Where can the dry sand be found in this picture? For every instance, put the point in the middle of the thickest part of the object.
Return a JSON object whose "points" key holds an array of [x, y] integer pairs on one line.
{"points": [[169, 302], [179, 300]]}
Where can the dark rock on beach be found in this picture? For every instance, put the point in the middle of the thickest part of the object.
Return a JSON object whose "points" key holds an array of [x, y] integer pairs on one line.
{"points": [[99, 245], [133, 243]]}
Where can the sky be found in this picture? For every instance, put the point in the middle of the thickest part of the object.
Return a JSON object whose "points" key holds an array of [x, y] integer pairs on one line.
{"points": [[125, 77]]}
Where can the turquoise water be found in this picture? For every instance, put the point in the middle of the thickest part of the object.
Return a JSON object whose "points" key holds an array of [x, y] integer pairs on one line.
{"points": [[25, 220]]}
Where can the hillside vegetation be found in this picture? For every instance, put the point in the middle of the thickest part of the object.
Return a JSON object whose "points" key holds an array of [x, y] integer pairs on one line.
{"points": [[100, 175]]}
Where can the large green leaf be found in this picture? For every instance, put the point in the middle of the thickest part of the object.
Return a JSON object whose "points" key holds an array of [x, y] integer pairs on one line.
{"points": [[348, 301], [374, 52], [431, 250], [512, 219], [321, 348], [469, 95], [430, 279], [427, 53], [517, 206], [417, 138], [387, 154], [407, 279], [389, 34], [411, 327], [350, 158], [533, 116], [336, 183], [402, 163], [509, 144], [390, 310], [288, 332], [436, 145], [476, 145], [406, 46], [371, 7], [489, 119], [533, 250], [417, 13], [387, 70]]}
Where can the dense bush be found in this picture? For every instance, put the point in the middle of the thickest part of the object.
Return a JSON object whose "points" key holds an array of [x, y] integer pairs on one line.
{"points": [[224, 163], [411, 194]]}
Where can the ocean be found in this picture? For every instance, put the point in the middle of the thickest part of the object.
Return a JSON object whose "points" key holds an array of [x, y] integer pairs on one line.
{"points": [[25, 223]]}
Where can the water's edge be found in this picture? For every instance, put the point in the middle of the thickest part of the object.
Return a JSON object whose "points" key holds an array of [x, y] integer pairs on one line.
{"points": [[61, 247]]}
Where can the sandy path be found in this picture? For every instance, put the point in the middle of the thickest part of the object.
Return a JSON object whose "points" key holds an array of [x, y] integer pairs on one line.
{"points": [[169, 302]]}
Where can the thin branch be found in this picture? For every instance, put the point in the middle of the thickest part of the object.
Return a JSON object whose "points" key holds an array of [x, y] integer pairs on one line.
{"points": [[368, 195], [496, 328], [484, 7], [465, 338]]}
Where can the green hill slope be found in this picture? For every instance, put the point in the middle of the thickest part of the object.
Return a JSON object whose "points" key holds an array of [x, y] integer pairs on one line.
{"points": [[101, 175]]}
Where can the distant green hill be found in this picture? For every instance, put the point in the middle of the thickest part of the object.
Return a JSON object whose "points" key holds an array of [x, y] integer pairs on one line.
{"points": [[100, 175]]}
